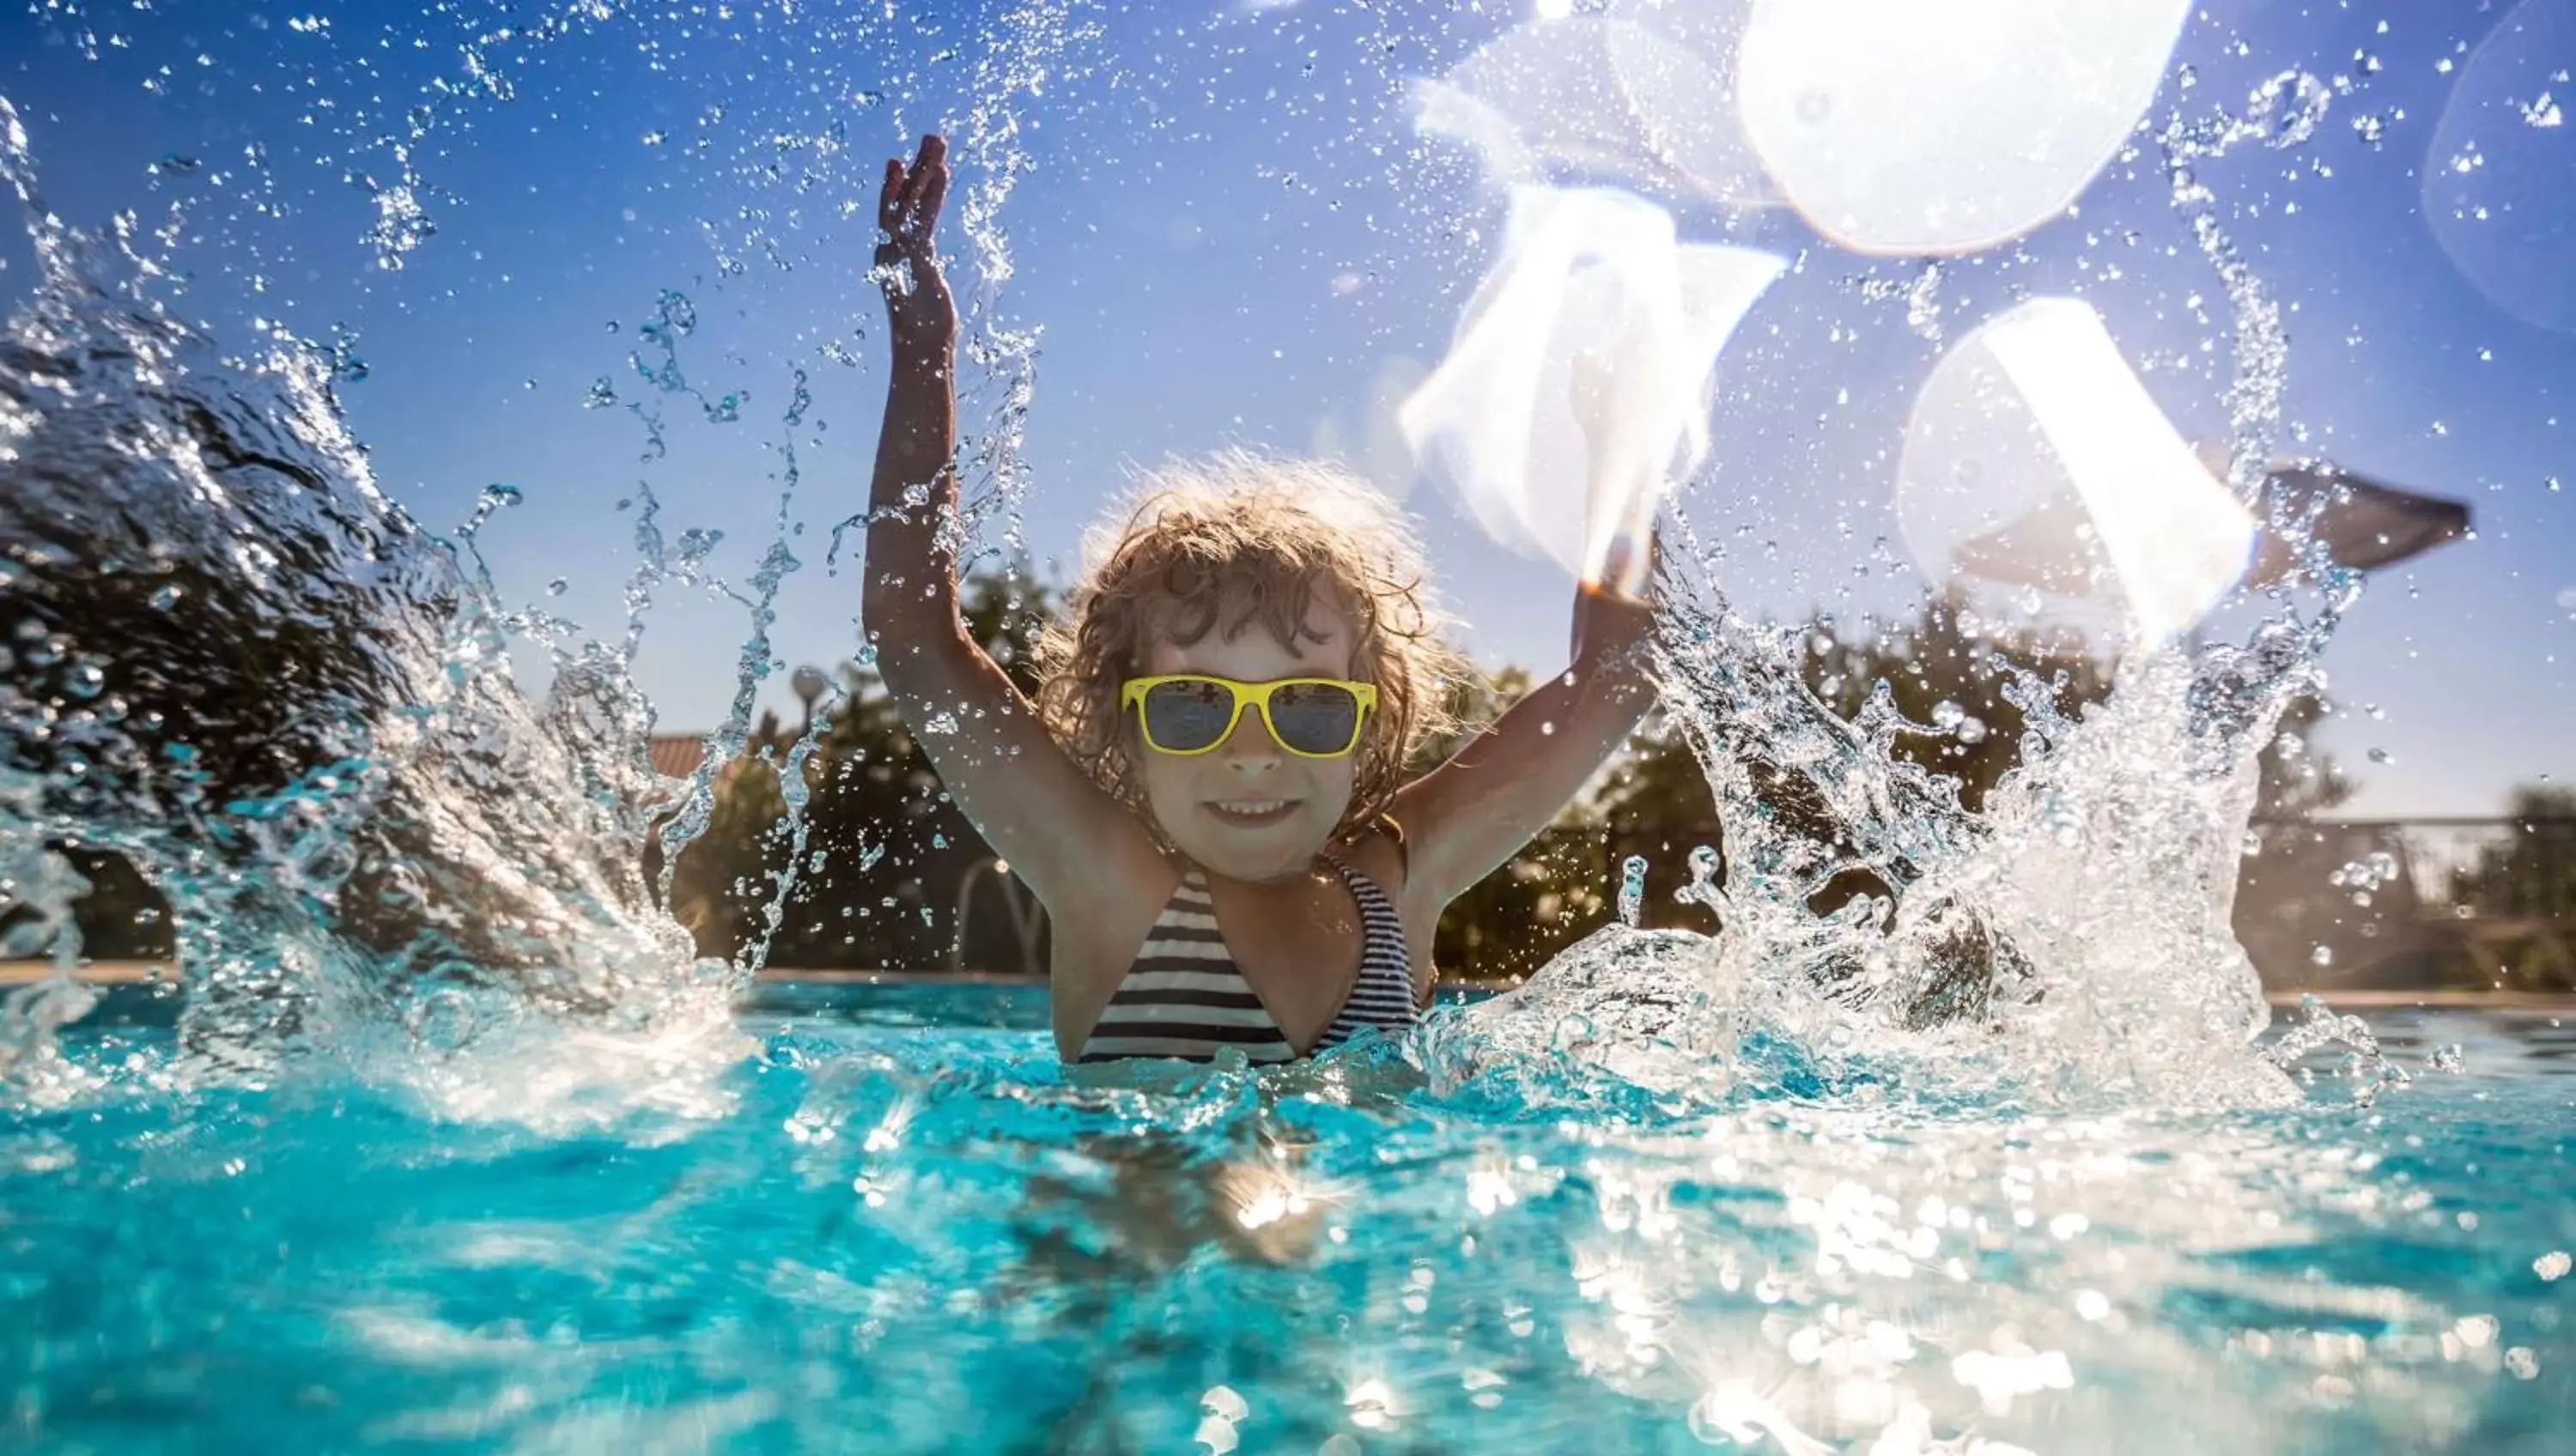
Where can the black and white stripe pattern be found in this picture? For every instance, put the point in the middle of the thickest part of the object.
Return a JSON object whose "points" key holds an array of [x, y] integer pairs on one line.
{"points": [[1184, 997], [1383, 995]]}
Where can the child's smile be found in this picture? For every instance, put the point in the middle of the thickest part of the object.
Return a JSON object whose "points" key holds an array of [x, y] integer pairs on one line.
{"points": [[1253, 813]]}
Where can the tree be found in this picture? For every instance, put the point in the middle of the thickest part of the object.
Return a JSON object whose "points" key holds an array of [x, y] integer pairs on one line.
{"points": [[1942, 669], [1947, 670], [2526, 886], [1547, 896], [884, 849], [2532, 873]]}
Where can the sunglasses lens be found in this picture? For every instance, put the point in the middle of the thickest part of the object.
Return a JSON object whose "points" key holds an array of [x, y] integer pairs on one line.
{"points": [[1184, 717], [1315, 717]]}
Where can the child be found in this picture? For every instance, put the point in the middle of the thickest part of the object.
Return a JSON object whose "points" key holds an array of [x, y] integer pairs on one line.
{"points": [[1207, 795]]}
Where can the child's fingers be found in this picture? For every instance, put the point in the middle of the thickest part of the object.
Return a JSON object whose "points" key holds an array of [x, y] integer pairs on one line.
{"points": [[929, 170], [934, 193], [890, 197]]}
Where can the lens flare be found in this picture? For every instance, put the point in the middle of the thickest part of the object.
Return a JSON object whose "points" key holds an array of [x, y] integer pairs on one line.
{"points": [[1899, 127], [2035, 457], [2500, 180], [1576, 389], [1645, 102]]}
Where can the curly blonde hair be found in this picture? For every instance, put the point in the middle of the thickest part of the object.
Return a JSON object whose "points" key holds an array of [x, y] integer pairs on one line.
{"points": [[1229, 542]]}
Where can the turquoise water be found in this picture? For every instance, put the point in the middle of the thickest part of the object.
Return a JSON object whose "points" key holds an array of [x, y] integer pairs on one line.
{"points": [[457, 1146], [895, 1226]]}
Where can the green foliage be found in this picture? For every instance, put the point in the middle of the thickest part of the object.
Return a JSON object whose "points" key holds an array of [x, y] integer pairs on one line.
{"points": [[1944, 669], [1941, 669], [2532, 873], [885, 850], [1546, 897]]}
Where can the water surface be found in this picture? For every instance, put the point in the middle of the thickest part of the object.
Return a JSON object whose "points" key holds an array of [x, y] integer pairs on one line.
{"points": [[897, 1226]]}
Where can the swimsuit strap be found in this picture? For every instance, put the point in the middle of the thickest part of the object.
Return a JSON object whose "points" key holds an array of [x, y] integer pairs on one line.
{"points": [[1184, 996], [1382, 997]]}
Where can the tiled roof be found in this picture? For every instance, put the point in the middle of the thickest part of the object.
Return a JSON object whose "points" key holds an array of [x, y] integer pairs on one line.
{"points": [[676, 755]]}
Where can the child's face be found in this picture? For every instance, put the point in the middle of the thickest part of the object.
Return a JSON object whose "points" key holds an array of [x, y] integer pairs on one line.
{"points": [[1249, 809]]}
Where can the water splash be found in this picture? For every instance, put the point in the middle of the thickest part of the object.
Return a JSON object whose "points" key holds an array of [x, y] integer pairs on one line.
{"points": [[2069, 946], [1877, 934], [241, 667]]}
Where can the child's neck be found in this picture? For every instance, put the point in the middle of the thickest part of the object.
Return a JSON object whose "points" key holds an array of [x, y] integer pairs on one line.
{"points": [[1320, 861]]}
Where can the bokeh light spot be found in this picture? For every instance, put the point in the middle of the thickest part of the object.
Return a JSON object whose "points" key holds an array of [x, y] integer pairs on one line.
{"points": [[1899, 127]]}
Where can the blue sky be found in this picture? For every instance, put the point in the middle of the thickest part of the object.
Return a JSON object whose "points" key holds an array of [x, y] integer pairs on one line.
{"points": [[1228, 231]]}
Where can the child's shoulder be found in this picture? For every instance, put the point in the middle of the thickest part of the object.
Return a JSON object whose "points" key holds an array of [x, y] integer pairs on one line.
{"points": [[1376, 849]]}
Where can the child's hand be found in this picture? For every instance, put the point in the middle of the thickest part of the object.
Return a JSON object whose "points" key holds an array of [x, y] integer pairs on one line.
{"points": [[918, 305], [1606, 622]]}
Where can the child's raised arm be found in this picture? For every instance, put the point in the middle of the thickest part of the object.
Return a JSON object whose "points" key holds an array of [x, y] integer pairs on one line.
{"points": [[1035, 807], [1468, 817]]}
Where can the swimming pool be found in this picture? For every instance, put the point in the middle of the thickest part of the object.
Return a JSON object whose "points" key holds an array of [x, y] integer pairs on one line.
{"points": [[894, 1225], [1952, 1142]]}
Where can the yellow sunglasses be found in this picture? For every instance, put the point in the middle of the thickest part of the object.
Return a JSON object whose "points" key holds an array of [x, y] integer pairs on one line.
{"points": [[1192, 712]]}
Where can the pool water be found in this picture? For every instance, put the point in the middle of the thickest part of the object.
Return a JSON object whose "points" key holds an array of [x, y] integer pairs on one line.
{"points": [[894, 1224]]}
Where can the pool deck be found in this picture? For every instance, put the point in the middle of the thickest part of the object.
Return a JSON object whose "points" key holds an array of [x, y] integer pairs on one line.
{"points": [[126, 973]]}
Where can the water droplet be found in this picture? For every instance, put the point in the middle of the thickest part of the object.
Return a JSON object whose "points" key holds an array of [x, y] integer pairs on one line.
{"points": [[696, 543], [1702, 889], [2288, 107], [1632, 889], [2323, 955], [941, 725], [557, 587], [2381, 755], [166, 596]]}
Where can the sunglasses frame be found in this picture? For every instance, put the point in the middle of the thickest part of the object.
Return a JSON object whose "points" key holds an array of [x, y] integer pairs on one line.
{"points": [[1248, 696]]}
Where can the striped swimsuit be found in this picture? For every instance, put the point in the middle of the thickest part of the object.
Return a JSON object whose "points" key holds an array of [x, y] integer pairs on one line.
{"points": [[1185, 998]]}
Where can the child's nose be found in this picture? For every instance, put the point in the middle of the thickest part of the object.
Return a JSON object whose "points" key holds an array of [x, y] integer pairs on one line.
{"points": [[1251, 746]]}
